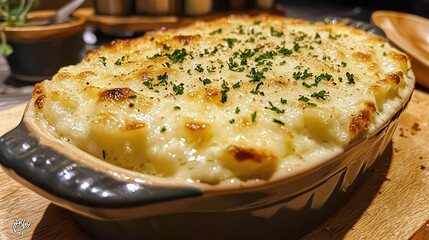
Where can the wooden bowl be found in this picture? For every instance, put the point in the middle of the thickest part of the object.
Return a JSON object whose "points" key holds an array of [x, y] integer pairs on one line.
{"points": [[411, 34]]}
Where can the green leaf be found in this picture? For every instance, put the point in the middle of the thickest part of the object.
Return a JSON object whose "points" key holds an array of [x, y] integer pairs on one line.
{"points": [[6, 49]]}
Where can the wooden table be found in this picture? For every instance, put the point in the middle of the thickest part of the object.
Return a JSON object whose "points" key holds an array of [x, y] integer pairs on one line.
{"points": [[392, 203]]}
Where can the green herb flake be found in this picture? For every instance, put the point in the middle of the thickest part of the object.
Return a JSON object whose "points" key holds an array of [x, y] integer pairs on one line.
{"points": [[275, 109], [176, 108], [178, 89], [231, 121], [217, 31], [256, 75], [132, 96], [236, 85], [165, 47], [343, 64], [283, 101], [119, 61], [350, 78], [275, 33], [198, 68], [323, 94], [237, 110], [163, 79], [230, 42], [148, 84], [178, 55], [206, 81], [163, 129], [278, 121], [225, 89], [253, 117], [306, 100], [256, 89], [103, 60]]}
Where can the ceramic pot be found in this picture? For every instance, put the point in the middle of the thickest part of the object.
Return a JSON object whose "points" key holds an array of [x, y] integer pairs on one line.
{"points": [[40, 51]]}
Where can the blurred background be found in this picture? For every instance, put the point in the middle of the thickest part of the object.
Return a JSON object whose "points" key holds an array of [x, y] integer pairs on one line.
{"points": [[307, 7]]}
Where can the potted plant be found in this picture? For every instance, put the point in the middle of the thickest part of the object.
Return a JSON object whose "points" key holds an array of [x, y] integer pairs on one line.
{"points": [[36, 48]]}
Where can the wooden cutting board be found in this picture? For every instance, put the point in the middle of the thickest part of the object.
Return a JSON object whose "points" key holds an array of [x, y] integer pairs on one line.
{"points": [[392, 203]]}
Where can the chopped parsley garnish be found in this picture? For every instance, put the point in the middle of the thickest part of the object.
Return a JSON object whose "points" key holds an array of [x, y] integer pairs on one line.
{"points": [[275, 33], [206, 81], [306, 100], [323, 94], [225, 89], [233, 66], [210, 69], [296, 47], [283, 101], [256, 22], [350, 78], [119, 61], [256, 90], [275, 109], [278, 121], [286, 52], [334, 37], [256, 75], [177, 108], [253, 117], [266, 55], [343, 64], [237, 110], [148, 84], [162, 79], [132, 96], [236, 85], [230, 42], [302, 75], [103, 60], [165, 47], [217, 31], [178, 55], [178, 89], [163, 129], [232, 120], [198, 68]]}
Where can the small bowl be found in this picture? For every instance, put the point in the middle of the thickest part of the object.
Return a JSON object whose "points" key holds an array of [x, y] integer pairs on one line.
{"points": [[410, 33]]}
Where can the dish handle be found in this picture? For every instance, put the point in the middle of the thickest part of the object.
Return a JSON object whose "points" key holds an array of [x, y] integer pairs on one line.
{"points": [[25, 159]]}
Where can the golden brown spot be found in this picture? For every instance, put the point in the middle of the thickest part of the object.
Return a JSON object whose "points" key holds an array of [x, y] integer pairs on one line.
{"points": [[183, 39], [86, 74], [212, 94], [38, 89], [63, 75], [242, 154], [395, 77], [398, 56], [359, 122], [197, 133], [135, 125], [116, 94], [194, 126], [370, 106], [40, 102], [373, 67], [362, 56]]}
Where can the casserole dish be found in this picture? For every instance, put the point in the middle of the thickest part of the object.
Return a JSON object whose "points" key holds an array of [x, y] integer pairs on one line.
{"points": [[114, 202]]}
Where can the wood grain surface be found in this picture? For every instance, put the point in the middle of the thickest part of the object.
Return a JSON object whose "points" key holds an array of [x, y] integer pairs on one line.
{"points": [[391, 203]]}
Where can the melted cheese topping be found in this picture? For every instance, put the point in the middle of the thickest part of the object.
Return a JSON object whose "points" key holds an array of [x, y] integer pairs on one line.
{"points": [[238, 98]]}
